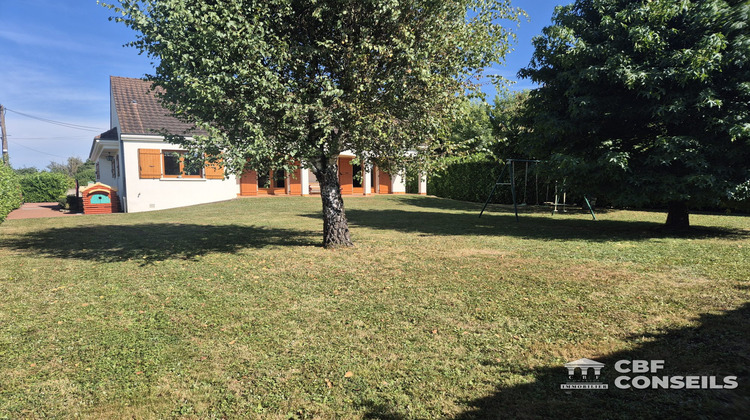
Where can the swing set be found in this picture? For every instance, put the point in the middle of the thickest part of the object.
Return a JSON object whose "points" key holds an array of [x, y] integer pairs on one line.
{"points": [[511, 166]]}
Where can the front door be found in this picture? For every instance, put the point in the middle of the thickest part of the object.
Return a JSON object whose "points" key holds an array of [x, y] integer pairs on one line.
{"points": [[384, 182], [345, 175]]}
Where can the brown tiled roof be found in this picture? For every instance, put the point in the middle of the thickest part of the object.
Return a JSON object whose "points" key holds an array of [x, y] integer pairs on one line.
{"points": [[140, 112]]}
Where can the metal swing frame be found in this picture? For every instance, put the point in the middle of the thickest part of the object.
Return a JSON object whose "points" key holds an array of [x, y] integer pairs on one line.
{"points": [[511, 165]]}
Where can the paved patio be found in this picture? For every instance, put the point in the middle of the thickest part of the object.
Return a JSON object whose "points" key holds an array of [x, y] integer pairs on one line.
{"points": [[38, 210]]}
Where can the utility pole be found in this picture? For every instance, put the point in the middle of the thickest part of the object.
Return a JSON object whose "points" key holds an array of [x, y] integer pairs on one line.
{"points": [[6, 158]]}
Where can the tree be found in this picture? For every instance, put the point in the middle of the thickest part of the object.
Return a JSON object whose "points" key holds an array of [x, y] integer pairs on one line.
{"points": [[279, 81], [69, 168], [645, 102], [86, 172], [26, 170], [506, 120], [471, 130]]}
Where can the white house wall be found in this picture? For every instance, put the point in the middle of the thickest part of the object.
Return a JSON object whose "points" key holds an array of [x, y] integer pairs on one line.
{"points": [[165, 193], [398, 183], [105, 172]]}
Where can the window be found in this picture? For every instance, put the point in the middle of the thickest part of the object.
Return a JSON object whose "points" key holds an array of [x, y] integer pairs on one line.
{"points": [[179, 164], [172, 164], [263, 180], [157, 164], [279, 178]]}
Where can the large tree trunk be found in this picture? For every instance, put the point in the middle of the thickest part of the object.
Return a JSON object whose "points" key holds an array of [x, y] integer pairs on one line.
{"points": [[678, 216], [335, 226]]}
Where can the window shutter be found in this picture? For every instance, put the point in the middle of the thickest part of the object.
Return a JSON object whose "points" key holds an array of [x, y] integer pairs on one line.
{"points": [[149, 163], [214, 170]]}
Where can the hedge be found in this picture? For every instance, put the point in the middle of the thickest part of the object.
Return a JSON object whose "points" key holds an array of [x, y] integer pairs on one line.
{"points": [[472, 179], [45, 187], [10, 191], [469, 179]]}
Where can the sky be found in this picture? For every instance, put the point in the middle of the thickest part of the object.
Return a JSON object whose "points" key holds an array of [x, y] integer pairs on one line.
{"points": [[56, 57]]}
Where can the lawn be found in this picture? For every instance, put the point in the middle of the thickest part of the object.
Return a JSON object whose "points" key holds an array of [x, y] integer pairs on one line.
{"points": [[234, 310]]}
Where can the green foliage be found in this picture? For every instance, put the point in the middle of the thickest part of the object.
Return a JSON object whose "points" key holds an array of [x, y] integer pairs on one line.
{"points": [[86, 173], [280, 81], [283, 80], [508, 129], [471, 130], [468, 179], [71, 202], [10, 191], [645, 102], [45, 187], [492, 134], [739, 199], [76, 168], [69, 168], [26, 171]]}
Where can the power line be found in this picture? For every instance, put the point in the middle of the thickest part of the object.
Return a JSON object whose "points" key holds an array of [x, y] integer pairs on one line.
{"points": [[60, 123], [34, 150], [48, 138]]}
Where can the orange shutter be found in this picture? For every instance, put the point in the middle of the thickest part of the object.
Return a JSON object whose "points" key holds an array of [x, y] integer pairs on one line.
{"points": [[149, 163], [214, 170]]}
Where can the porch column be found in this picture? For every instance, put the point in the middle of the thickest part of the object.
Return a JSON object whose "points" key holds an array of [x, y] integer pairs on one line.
{"points": [[367, 179], [422, 184], [304, 175]]}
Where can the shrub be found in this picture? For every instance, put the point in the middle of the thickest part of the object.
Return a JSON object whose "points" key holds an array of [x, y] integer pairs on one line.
{"points": [[71, 202], [45, 187], [10, 191], [472, 178], [469, 179]]}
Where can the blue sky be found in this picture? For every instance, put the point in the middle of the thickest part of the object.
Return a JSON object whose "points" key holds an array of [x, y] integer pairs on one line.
{"points": [[56, 57]]}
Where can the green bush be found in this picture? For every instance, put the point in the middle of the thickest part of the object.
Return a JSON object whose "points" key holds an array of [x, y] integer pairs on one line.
{"points": [[45, 187], [71, 202], [468, 179], [739, 199], [471, 179], [412, 181], [10, 191]]}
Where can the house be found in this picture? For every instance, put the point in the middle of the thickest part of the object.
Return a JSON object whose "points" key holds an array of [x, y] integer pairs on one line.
{"points": [[149, 173]]}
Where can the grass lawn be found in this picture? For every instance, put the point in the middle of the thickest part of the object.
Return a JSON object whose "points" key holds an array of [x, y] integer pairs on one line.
{"points": [[234, 310]]}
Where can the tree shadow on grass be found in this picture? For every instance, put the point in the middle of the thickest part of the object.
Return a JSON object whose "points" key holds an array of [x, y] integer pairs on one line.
{"points": [[448, 204], [545, 228], [719, 346], [153, 241]]}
